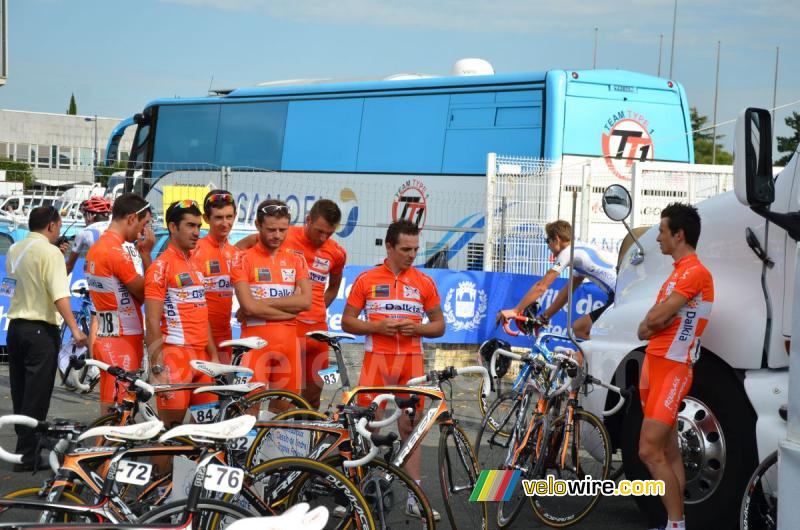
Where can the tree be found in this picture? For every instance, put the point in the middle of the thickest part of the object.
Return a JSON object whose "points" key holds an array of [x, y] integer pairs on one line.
{"points": [[704, 142], [73, 107], [788, 144], [17, 171]]}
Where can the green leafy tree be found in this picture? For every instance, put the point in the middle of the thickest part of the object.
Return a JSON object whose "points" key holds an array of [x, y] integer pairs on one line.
{"points": [[73, 107], [704, 142], [104, 172], [17, 171], [788, 144]]}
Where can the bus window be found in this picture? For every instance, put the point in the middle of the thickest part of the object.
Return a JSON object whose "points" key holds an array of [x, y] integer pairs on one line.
{"points": [[251, 135], [187, 134]]}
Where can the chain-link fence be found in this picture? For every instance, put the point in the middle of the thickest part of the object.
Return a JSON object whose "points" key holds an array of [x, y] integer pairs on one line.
{"points": [[524, 194]]}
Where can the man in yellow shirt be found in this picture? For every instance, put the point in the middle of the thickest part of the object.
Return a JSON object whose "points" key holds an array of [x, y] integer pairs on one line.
{"points": [[36, 282]]}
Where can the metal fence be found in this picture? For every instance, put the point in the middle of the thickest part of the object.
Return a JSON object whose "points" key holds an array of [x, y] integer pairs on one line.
{"points": [[524, 194]]}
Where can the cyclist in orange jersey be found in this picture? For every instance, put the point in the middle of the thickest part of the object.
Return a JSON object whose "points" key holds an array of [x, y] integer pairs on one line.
{"points": [[272, 287], [176, 315], [395, 296], [114, 274], [214, 257], [673, 326], [325, 259]]}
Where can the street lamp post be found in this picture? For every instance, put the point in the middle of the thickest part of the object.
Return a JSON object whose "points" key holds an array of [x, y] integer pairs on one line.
{"points": [[94, 152]]}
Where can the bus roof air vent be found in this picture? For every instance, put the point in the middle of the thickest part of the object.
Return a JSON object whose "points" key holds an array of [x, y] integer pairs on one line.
{"points": [[472, 66]]}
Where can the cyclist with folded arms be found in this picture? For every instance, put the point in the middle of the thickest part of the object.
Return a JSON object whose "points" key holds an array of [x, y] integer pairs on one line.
{"points": [[589, 263], [272, 287], [116, 286], [214, 257], [673, 326], [176, 315]]}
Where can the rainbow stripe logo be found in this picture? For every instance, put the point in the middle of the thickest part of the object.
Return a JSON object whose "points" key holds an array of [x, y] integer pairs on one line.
{"points": [[494, 485]]}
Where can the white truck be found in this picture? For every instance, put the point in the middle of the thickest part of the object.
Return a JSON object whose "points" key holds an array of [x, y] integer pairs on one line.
{"points": [[730, 419]]}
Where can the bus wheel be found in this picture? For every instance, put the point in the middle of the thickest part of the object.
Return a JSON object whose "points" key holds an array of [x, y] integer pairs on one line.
{"points": [[716, 435]]}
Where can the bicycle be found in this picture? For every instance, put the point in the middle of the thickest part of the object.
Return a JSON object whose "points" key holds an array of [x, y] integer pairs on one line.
{"points": [[85, 380], [83, 466], [759, 507], [559, 439]]}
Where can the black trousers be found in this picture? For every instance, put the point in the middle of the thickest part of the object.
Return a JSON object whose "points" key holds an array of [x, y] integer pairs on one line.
{"points": [[32, 362]]}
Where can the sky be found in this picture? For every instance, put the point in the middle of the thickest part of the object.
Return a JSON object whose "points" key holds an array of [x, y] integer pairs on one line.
{"points": [[115, 56]]}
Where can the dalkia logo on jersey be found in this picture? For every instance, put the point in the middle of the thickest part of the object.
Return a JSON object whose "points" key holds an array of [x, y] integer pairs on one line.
{"points": [[470, 307], [627, 137]]}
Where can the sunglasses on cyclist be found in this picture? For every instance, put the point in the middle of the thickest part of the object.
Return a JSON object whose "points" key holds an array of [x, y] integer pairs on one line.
{"points": [[185, 204], [274, 208], [219, 198], [143, 208]]}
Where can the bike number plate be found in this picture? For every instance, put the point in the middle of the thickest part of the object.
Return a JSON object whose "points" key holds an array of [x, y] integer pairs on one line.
{"points": [[205, 413], [107, 324], [241, 378], [223, 479], [244, 443], [330, 376], [131, 472]]}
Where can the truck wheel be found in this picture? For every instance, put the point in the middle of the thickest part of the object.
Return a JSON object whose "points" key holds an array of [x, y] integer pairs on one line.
{"points": [[716, 432]]}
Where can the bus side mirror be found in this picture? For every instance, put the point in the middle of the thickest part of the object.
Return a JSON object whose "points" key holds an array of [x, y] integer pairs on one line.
{"points": [[752, 161]]}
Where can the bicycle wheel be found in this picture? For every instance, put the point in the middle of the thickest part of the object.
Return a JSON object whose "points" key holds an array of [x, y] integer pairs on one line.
{"points": [[759, 509], [576, 454], [394, 498], [458, 474], [273, 402], [211, 514], [493, 440], [529, 461], [270, 442], [283, 482], [18, 514]]}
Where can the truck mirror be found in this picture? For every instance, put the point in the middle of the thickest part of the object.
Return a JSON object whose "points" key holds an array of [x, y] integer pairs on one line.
{"points": [[752, 162], [617, 202]]}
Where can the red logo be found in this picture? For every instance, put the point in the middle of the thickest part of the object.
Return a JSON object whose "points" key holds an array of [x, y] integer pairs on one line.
{"points": [[411, 203], [626, 141]]}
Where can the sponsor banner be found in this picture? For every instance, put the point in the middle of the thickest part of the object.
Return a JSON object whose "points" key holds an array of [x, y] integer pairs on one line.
{"points": [[470, 301]]}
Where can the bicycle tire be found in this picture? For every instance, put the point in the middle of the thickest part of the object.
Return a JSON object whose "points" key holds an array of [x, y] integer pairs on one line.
{"points": [[457, 461], [759, 508], [212, 514], [587, 454], [268, 396], [284, 482], [386, 488], [24, 515], [530, 461], [493, 438], [258, 451]]}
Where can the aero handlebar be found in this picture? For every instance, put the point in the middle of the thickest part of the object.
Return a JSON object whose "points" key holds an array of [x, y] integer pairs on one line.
{"points": [[450, 372]]}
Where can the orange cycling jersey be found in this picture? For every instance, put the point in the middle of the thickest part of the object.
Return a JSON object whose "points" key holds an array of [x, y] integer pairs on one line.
{"points": [[680, 340], [268, 277], [327, 260], [382, 295], [110, 264], [214, 260], [176, 282]]}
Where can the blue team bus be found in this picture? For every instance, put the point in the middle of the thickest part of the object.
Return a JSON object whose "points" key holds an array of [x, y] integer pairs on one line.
{"points": [[414, 148]]}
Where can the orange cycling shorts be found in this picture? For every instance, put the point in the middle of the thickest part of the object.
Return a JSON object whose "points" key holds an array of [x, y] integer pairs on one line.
{"points": [[221, 334], [662, 386], [125, 351], [177, 370], [278, 364], [313, 352], [386, 370]]}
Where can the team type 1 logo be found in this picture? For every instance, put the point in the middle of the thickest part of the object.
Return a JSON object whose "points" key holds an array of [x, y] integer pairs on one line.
{"points": [[410, 203], [627, 137]]}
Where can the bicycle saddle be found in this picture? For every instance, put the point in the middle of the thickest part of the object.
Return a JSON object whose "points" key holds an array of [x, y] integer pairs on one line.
{"points": [[217, 369], [228, 390], [137, 432], [224, 430], [250, 343], [329, 337]]}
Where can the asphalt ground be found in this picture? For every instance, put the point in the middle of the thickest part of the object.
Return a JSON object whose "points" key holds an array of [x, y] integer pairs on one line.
{"points": [[611, 512]]}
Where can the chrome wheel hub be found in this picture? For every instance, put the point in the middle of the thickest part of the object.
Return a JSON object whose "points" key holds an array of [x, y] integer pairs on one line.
{"points": [[702, 445]]}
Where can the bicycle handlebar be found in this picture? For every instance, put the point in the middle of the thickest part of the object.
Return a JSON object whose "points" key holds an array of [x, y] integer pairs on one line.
{"points": [[374, 439], [17, 419], [450, 372], [116, 371], [391, 419]]}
